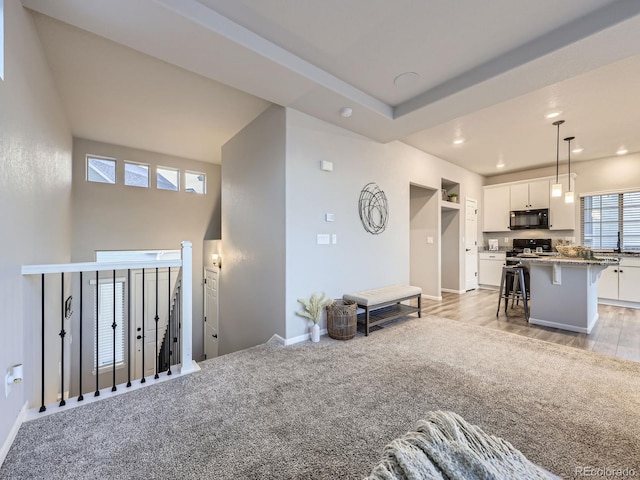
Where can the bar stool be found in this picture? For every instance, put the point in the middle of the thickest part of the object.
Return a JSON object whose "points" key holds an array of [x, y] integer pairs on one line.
{"points": [[513, 274]]}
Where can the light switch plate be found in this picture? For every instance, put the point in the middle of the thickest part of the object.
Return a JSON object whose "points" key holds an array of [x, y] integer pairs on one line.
{"points": [[324, 239], [334, 238], [429, 239]]}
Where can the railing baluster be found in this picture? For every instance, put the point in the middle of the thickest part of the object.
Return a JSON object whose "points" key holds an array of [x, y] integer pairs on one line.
{"points": [[142, 333], [80, 397], [155, 352], [62, 335], [114, 325], [167, 335], [42, 407], [97, 393], [128, 327]]}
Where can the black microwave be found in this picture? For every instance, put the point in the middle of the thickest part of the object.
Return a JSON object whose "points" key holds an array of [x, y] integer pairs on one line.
{"points": [[529, 219]]}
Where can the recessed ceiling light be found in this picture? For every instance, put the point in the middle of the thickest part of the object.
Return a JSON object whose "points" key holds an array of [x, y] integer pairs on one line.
{"points": [[577, 150], [622, 151], [346, 112], [551, 115], [458, 141]]}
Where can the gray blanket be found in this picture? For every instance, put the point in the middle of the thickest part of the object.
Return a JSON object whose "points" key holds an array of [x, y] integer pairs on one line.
{"points": [[446, 447]]}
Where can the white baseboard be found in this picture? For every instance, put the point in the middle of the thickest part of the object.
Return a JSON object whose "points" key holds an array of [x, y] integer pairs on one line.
{"points": [[432, 297], [564, 326], [293, 340], [451, 290], [618, 303], [13, 432]]}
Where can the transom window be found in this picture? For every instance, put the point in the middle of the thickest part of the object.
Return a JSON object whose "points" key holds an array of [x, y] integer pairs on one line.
{"points": [[611, 221], [168, 179], [195, 182], [136, 174], [101, 170]]}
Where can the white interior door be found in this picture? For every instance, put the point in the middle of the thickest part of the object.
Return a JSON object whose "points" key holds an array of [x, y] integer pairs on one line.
{"points": [[145, 328], [211, 312], [471, 244]]}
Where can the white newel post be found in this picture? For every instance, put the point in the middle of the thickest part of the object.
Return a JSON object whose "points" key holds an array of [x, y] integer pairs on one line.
{"points": [[187, 364]]}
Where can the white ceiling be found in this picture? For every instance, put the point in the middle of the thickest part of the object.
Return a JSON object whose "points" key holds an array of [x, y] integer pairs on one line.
{"points": [[156, 74]]}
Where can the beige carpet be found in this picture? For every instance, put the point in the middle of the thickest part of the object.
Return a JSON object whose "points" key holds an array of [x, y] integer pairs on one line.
{"points": [[325, 411]]}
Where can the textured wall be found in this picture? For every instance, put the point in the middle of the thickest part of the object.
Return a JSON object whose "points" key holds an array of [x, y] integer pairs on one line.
{"points": [[252, 280], [359, 260], [119, 217], [35, 191]]}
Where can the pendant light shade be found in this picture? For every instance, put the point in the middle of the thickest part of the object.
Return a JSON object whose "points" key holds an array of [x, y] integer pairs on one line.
{"points": [[556, 188], [569, 196]]}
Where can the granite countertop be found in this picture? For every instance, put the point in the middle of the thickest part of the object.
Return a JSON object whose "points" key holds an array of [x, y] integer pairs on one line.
{"points": [[559, 260]]}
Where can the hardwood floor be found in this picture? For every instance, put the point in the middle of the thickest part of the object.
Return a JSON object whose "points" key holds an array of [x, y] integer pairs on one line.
{"points": [[617, 332]]}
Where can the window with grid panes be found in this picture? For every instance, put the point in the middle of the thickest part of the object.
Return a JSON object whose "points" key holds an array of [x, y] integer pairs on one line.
{"points": [[610, 221]]}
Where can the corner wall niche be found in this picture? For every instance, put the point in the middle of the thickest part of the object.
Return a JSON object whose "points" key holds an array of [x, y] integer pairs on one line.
{"points": [[450, 195]]}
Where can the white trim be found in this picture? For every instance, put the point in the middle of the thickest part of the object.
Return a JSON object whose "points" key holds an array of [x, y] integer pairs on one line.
{"points": [[13, 432], [54, 407], [529, 180], [452, 290], [609, 192], [97, 266], [618, 303], [433, 297], [293, 340], [564, 326], [275, 338]]}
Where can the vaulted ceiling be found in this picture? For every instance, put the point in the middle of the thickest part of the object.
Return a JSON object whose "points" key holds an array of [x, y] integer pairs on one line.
{"points": [[183, 76]]}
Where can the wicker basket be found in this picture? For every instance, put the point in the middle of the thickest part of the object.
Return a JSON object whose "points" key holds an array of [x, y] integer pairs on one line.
{"points": [[342, 319]]}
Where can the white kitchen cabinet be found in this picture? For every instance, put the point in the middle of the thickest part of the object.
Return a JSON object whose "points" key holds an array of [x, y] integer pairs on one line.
{"points": [[629, 280], [531, 195], [608, 283], [621, 282], [490, 268], [496, 209], [562, 215]]}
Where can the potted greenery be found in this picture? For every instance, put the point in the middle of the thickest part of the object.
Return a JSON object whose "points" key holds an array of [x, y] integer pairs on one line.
{"points": [[453, 197], [313, 311]]}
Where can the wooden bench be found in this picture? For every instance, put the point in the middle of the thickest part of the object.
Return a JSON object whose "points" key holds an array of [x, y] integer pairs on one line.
{"points": [[384, 304]]}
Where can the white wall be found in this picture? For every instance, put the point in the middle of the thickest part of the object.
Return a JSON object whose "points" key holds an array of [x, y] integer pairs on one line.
{"points": [[119, 217], [424, 222], [359, 260], [252, 280], [35, 191]]}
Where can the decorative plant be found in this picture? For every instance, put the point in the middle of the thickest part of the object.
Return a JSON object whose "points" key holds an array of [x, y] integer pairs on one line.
{"points": [[314, 306]]}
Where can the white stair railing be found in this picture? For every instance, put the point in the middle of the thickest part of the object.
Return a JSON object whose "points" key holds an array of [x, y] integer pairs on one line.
{"points": [[60, 354]]}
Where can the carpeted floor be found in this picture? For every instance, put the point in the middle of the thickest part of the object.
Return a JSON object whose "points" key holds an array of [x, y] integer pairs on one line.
{"points": [[325, 411]]}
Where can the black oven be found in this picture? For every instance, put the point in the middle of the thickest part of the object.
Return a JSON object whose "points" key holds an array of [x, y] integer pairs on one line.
{"points": [[529, 219]]}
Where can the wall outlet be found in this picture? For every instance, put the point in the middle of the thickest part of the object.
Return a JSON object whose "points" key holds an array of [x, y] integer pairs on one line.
{"points": [[429, 239], [506, 239], [334, 238], [328, 217]]}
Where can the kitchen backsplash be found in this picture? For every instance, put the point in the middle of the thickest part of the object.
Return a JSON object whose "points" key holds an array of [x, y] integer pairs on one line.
{"points": [[505, 239]]}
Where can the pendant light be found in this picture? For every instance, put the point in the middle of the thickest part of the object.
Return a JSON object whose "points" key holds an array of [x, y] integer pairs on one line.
{"points": [[556, 188], [568, 195]]}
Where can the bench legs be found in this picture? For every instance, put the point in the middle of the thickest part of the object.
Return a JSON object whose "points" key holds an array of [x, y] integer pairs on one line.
{"points": [[367, 311]]}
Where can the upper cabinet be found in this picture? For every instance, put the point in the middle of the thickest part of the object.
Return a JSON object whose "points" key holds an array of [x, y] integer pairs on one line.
{"points": [[499, 200], [562, 215], [496, 209], [531, 195]]}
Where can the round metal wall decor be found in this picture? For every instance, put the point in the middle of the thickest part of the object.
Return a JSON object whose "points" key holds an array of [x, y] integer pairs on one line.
{"points": [[373, 209]]}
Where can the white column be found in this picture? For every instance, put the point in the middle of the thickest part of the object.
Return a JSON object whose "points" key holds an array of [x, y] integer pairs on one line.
{"points": [[188, 365]]}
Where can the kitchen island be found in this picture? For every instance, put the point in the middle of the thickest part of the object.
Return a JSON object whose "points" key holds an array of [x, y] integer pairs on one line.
{"points": [[564, 291]]}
